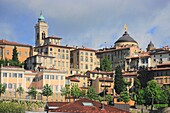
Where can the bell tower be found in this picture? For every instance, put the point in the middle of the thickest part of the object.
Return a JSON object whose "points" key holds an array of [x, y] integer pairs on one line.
{"points": [[41, 31]]}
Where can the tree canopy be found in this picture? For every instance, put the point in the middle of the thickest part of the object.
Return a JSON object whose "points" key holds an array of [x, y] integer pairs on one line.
{"points": [[105, 65], [65, 91], [75, 91], [124, 96], [91, 93], [33, 92], [47, 91], [2, 89], [20, 90], [153, 93]]}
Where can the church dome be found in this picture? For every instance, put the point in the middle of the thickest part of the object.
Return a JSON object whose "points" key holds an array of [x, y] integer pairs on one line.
{"points": [[125, 38]]}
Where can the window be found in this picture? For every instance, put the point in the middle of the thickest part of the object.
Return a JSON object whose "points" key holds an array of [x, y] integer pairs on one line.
{"points": [[63, 57], [61, 77], [10, 75], [51, 60], [61, 87], [91, 54], [93, 75], [15, 86], [86, 53], [58, 55], [56, 77], [63, 63], [14, 75], [84, 84], [43, 35], [4, 74], [58, 50], [20, 75], [51, 49], [28, 79], [86, 59], [58, 63], [66, 51], [160, 55], [79, 77], [81, 58], [7, 52], [84, 78], [51, 76], [10, 86], [67, 56], [66, 64], [91, 59], [86, 66], [26, 54], [46, 76], [81, 53], [63, 51], [19, 53], [56, 88]]}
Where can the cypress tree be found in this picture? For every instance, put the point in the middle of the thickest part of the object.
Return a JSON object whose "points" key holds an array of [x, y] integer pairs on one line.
{"points": [[119, 85], [15, 55]]}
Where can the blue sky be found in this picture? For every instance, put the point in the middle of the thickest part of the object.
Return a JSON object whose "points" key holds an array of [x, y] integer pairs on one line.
{"points": [[88, 22]]}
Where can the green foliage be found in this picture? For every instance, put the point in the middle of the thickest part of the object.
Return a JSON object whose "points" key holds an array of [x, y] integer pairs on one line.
{"points": [[166, 90], [144, 77], [33, 92], [75, 91], [15, 55], [109, 98], [99, 98], [47, 91], [120, 84], [153, 93], [83, 93], [160, 105], [105, 65], [2, 89], [140, 96], [65, 91], [11, 63], [124, 96], [10, 107], [91, 93], [20, 90]]}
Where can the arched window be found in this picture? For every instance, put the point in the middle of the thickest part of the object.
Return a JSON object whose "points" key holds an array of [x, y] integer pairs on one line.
{"points": [[43, 35]]}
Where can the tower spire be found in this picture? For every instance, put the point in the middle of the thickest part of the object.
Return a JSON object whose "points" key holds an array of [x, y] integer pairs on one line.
{"points": [[125, 28]]}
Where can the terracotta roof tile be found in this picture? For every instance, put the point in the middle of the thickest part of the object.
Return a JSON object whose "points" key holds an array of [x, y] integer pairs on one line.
{"points": [[74, 79], [5, 42], [78, 107]]}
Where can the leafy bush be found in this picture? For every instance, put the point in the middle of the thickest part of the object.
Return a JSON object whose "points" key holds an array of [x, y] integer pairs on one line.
{"points": [[160, 105]]}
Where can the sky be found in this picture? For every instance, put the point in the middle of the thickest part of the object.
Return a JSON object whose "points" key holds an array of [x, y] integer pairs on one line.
{"points": [[90, 23]]}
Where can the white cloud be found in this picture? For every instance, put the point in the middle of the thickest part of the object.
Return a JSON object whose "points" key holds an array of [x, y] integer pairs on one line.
{"points": [[91, 23]]}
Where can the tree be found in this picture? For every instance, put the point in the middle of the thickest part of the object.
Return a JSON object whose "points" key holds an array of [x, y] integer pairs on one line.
{"points": [[2, 89], [75, 91], [47, 91], [166, 90], [15, 55], [105, 65], [65, 91], [20, 90], [140, 96], [91, 93], [33, 92], [109, 98], [83, 93], [120, 84], [153, 93], [124, 96]]}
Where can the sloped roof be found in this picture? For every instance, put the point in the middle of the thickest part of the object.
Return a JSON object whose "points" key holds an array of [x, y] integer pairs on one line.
{"points": [[94, 107], [5, 42]]}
